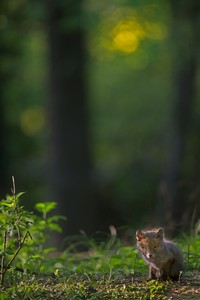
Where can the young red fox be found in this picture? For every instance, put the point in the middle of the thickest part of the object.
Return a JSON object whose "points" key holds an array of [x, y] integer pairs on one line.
{"points": [[165, 260]]}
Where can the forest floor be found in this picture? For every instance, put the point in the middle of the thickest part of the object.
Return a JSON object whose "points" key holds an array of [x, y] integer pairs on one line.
{"points": [[187, 288], [97, 287]]}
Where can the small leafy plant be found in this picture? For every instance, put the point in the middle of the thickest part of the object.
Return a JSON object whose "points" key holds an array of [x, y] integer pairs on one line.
{"points": [[34, 256], [14, 223], [191, 246], [23, 234]]}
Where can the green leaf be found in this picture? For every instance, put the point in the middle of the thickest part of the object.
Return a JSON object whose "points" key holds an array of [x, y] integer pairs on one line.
{"points": [[49, 250], [35, 257], [6, 203], [45, 207], [54, 227], [20, 194], [56, 218]]}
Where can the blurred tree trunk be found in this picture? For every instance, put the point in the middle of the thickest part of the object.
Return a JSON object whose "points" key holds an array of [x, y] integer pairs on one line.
{"points": [[70, 173], [3, 142], [5, 51], [185, 40], [12, 18]]}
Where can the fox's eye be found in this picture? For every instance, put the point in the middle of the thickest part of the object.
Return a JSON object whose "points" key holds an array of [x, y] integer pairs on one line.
{"points": [[155, 246]]}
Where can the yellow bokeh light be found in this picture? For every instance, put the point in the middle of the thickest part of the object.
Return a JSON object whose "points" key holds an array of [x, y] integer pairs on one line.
{"points": [[127, 35], [124, 29], [32, 120], [126, 41]]}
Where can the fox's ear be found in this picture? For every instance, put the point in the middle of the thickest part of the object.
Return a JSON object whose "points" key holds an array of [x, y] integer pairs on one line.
{"points": [[139, 235], [160, 233]]}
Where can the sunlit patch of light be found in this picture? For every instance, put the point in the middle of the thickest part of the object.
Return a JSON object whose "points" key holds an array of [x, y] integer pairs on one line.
{"points": [[32, 120], [127, 35]]}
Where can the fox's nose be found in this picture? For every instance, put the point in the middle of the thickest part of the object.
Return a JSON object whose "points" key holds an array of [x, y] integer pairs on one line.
{"points": [[149, 255]]}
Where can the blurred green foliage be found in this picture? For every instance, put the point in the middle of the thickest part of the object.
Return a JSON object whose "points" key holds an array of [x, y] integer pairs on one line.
{"points": [[130, 101], [130, 86]]}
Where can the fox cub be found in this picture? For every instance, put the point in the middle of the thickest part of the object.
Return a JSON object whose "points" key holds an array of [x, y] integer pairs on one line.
{"points": [[165, 260]]}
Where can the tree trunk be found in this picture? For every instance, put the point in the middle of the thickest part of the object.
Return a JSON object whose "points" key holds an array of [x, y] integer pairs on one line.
{"points": [[4, 166], [185, 30], [10, 52], [70, 172]]}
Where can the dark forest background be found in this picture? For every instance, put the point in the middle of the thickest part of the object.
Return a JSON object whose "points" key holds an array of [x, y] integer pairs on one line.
{"points": [[100, 110]]}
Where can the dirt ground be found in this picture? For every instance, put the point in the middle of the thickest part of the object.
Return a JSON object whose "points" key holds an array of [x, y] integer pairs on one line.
{"points": [[187, 288]]}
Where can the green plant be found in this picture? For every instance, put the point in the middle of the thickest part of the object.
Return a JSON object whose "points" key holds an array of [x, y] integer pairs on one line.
{"points": [[14, 224], [35, 252], [23, 234], [190, 246]]}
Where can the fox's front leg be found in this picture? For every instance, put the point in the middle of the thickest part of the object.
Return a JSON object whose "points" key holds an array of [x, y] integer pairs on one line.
{"points": [[153, 273], [164, 273]]}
